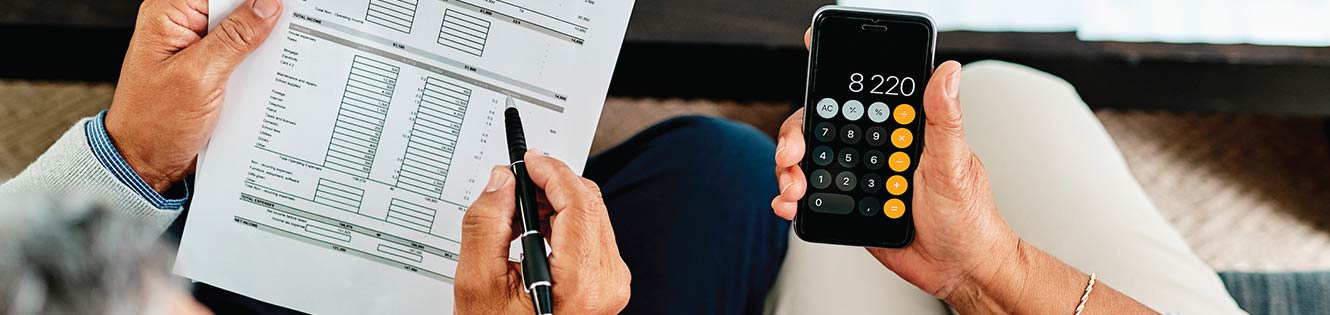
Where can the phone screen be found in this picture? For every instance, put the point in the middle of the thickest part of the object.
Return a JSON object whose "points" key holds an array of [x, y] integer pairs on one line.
{"points": [[863, 124]]}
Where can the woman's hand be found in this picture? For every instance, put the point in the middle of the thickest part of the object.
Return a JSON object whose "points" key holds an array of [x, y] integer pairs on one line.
{"points": [[589, 276], [172, 81], [954, 215], [963, 251]]}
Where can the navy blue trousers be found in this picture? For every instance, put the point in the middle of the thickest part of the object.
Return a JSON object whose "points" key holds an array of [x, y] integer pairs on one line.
{"points": [[689, 200]]}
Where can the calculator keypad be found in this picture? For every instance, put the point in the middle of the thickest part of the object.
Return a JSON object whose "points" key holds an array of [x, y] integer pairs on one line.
{"points": [[861, 161]]}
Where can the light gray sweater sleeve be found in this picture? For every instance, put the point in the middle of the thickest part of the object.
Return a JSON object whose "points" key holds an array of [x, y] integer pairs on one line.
{"points": [[69, 169]]}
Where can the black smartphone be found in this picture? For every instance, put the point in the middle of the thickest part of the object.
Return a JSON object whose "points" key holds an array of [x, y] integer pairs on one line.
{"points": [[863, 125]]}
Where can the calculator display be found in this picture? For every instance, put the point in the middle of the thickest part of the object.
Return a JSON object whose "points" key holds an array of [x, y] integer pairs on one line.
{"points": [[863, 124]]}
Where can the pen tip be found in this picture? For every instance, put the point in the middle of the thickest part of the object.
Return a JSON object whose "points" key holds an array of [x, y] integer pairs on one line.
{"points": [[510, 103]]}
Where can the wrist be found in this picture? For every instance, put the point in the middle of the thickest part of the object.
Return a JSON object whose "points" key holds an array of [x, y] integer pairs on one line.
{"points": [[1026, 281], [984, 290], [154, 172]]}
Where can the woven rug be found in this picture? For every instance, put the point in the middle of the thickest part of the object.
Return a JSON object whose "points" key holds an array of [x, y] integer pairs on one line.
{"points": [[1247, 192]]}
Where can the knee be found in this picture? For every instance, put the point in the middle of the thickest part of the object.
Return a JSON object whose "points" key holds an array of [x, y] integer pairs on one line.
{"points": [[720, 142], [1014, 80]]}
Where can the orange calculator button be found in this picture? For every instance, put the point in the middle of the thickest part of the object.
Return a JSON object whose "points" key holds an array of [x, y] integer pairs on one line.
{"points": [[894, 208], [901, 138], [904, 114], [896, 185], [898, 161]]}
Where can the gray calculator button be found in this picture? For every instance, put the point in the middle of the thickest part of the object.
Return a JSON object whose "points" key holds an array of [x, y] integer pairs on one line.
{"points": [[876, 135], [874, 159], [853, 110], [878, 112], [851, 134], [846, 181], [825, 131], [871, 183], [830, 203], [822, 156], [848, 157], [821, 179], [827, 108], [869, 207]]}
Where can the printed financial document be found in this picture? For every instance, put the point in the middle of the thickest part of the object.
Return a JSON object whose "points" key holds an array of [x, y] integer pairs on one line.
{"points": [[351, 143]]}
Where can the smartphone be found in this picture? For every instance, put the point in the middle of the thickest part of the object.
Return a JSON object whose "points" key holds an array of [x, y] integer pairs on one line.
{"points": [[863, 125]]}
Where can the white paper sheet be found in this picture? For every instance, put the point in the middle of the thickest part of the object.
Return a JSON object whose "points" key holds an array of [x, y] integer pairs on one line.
{"points": [[1270, 22], [988, 15], [353, 140]]}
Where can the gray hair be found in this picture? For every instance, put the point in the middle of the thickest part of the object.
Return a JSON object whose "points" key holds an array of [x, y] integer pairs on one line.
{"points": [[58, 257]]}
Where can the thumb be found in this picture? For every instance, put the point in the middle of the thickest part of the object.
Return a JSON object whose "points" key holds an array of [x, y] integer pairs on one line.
{"points": [[944, 133], [235, 38], [487, 226]]}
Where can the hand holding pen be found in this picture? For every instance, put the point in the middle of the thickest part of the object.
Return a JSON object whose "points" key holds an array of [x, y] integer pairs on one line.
{"points": [[535, 264], [587, 275]]}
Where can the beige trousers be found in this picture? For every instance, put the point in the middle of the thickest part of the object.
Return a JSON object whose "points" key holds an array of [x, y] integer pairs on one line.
{"points": [[1062, 185]]}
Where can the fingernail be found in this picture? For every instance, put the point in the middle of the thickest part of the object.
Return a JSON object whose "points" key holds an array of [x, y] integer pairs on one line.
{"points": [[498, 178], [780, 147], [954, 84], [266, 8]]}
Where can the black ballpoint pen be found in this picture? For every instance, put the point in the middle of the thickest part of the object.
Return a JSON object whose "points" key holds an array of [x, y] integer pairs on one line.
{"points": [[535, 265]]}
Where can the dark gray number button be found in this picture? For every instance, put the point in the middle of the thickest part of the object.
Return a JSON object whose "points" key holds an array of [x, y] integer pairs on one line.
{"points": [[846, 181], [851, 134], [874, 159], [821, 179], [822, 155], [831, 203], [876, 136], [824, 132], [848, 157], [871, 183]]}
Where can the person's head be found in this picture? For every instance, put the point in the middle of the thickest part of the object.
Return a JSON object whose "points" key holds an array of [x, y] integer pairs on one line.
{"points": [[58, 257]]}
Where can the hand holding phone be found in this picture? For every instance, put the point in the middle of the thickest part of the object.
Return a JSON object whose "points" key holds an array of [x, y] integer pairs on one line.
{"points": [[863, 122], [958, 232]]}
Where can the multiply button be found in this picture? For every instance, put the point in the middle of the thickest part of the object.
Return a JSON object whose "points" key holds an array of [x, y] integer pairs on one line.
{"points": [[898, 161], [896, 185], [853, 110], [827, 108], [830, 203], [894, 208], [904, 114], [901, 138], [878, 112]]}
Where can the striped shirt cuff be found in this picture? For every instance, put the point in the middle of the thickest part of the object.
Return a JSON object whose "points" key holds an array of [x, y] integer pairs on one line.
{"points": [[106, 153]]}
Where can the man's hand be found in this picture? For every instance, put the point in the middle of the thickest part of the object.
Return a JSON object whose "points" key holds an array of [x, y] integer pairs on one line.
{"points": [[173, 79], [589, 276]]}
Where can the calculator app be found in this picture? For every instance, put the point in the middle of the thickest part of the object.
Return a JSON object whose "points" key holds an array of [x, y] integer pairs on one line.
{"points": [[864, 123]]}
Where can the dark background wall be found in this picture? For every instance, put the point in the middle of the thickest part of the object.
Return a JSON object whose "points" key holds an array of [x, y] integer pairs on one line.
{"points": [[751, 50]]}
